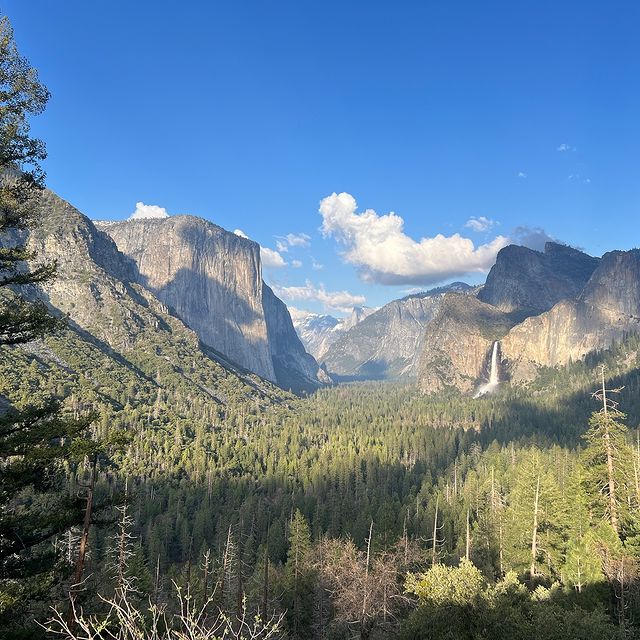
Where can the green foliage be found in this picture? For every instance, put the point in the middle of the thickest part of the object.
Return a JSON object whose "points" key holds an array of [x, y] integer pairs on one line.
{"points": [[457, 603]]}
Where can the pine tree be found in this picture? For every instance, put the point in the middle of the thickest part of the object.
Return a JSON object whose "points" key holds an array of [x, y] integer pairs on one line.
{"points": [[608, 461], [34, 439], [299, 578]]}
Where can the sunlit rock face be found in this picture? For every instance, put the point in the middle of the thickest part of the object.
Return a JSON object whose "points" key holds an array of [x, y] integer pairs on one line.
{"points": [[458, 344], [548, 309], [212, 280], [606, 310], [209, 277], [387, 344]]}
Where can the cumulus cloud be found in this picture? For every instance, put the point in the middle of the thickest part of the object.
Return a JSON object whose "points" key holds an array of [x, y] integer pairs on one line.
{"points": [[145, 211], [332, 300], [298, 315], [271, 259], [383, 253], [522, 174], [565, 147], [296, 264], [532, 237], [316, 266], [292, 240], [480, 224]]}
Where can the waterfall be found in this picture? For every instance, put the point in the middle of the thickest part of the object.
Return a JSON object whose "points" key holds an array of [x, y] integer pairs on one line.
{"points": [[494, 374]]}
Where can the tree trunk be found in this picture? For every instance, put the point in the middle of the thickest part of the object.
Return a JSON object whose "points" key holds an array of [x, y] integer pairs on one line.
{"points": [[84, 543], [468, 546], [534, 534], [613, 505]]}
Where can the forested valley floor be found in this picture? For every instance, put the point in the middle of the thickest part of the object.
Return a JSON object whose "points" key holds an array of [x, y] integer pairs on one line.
{"points": [[365, 510]]}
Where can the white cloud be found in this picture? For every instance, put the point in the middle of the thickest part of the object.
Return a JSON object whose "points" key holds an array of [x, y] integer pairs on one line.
{"points": [[271, 259], [298, 239], [565, 147], [522, 174], [383, 253], [241, 233], [145, 211], [332, 300], [532, 237], [480, 224], [292, 240], [296, 264], [298, 315], [316, 266], [576, 177]]}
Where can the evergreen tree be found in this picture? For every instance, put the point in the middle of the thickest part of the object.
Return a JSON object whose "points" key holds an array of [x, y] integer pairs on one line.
{"points": [[34, 439], [299, 579], [608, 463]]}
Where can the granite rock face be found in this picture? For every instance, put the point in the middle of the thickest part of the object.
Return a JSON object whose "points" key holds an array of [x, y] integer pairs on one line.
{"points": [[574, 304], [294, 367], [458, 344], [387, 344], [527, 282], [115, 320], [203, 276], [606, 310], [212, 280]]}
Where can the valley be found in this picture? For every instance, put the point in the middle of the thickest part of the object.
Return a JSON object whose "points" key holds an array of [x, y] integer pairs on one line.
{"points": [[351, 432]]}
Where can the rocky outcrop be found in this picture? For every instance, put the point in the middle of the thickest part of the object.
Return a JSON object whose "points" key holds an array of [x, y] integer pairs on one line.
{"points": [[294, 368], [606, 310], [525, 282], [212, 280], [119, 338], [614, 287], [183, 267], [387, 344], [458, 344], [600, 305]]}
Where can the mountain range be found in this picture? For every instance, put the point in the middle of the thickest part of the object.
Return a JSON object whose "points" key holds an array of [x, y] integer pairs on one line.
{"points": [[544, 309], [382, 343], [128, 286]]}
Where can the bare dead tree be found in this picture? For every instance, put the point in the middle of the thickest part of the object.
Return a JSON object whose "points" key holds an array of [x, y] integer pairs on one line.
{"points": [[76, 583], [609, 405], [126, 621]]}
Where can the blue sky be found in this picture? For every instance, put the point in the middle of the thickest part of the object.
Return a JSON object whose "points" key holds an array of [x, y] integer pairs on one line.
{"points": [[251, 113]]}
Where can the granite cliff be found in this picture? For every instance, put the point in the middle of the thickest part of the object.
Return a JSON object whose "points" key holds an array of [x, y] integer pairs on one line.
{"points": [[458, 343], [545, 309], [202, 277], [211, 279], [118, 332], [606, 310], [527, 282], [387, 343]]}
